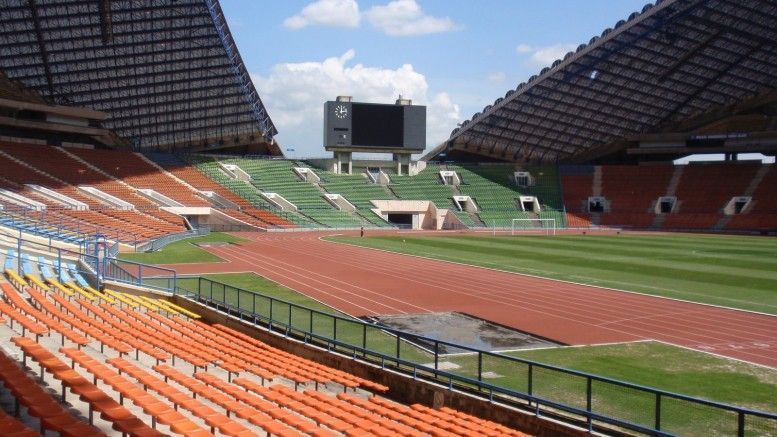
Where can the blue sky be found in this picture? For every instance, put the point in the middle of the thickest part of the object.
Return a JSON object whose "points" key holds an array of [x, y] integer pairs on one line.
{"points": [[455, 56]]}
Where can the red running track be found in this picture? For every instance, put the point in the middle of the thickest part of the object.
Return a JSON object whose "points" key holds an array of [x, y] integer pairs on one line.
{"points": [[362, 281]]}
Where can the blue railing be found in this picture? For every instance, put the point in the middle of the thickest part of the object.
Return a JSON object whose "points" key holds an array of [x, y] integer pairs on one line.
{"points": [[584, 399]]}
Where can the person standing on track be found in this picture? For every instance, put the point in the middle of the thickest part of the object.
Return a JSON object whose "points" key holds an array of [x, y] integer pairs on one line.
{"points": [[362, 231]]}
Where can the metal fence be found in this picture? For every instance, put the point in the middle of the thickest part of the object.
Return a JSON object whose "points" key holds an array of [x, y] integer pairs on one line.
{"points": [[142, 275], [595, 402], [172, 238]]}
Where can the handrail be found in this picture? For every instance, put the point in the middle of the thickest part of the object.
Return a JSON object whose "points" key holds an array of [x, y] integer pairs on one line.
{"points": [[657, 426]]}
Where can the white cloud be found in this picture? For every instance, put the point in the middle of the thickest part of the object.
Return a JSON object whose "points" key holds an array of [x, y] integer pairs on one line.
{"points": [[544, 56], [406, 18], [496, 77], [332, 13], [295, 96]]}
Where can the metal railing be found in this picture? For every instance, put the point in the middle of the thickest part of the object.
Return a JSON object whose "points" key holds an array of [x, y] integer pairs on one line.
{"points": [[139, 274], [584, 399], [163, 241]]}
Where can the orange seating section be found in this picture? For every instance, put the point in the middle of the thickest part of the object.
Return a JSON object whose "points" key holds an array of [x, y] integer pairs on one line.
{"points": [[634, 188], [12, 427], [577, 190], [634, 219], [705, 190], [702, 193], [251, 397], [121, 418], [248, 213], [139, 173], [118, 174], [40, 404], [763, 212], [63, 174]]}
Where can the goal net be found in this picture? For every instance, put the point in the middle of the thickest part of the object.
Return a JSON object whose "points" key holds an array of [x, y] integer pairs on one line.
{"points": [[545, 226]]}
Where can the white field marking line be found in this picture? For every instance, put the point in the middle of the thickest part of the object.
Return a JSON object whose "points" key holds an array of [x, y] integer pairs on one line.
{"points": [[594, 279], [670, 314], [312, 277], [560, 280], [523, 307], [726, 357], [298, 280], [316, 274], [698, 336], [591, 281], [768, 343], [560, 346], [292, 289], [586, 302], [485, 294], [329, 259], [693, 327], [486, 297], [697, 323], [694, 319]]}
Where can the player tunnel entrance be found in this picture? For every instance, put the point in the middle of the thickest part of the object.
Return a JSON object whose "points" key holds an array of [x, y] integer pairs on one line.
{"points": [[401, 220]]}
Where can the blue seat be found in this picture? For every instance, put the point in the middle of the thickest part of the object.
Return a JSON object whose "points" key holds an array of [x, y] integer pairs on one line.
{"points": [[45, 268], [26, 265], [10, 260], [74, 272]]}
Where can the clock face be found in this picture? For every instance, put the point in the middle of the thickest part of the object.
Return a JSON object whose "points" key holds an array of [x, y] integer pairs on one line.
{"points": [[341, 111]]}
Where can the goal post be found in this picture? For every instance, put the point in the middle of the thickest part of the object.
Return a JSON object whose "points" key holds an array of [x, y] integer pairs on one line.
{"points": [[546, 226]]}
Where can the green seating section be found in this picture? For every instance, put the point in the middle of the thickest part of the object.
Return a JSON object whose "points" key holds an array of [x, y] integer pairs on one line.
{"points": [[466, 219], [278, 176], [354, 187], [547, 188], [492, 187], [426, 185], [212, 169]]}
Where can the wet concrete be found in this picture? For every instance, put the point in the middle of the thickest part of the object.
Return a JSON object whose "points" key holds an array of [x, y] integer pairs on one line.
{"points": [[461, 329]]}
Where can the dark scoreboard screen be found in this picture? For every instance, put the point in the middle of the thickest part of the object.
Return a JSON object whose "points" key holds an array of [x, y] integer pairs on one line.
{"points": [[366, 126], [378, 125]]}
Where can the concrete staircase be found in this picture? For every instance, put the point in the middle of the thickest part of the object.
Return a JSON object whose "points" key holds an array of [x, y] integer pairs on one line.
{"points": [[671, 189], [476, 218], [751, 187], [596, 188]]}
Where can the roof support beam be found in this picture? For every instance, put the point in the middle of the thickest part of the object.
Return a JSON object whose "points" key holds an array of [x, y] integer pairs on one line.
{"points": [[41, 45], [106, 22]]}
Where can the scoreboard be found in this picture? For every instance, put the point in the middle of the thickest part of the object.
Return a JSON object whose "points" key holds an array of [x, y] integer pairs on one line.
{"points": [[374, 127]]}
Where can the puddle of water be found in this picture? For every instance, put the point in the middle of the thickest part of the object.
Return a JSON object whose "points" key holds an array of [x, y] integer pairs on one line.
{"points": [[463, 330]]}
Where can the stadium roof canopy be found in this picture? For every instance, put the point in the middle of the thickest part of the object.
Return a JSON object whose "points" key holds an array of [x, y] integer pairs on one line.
{"points": [[167, 72], [680, 74]]}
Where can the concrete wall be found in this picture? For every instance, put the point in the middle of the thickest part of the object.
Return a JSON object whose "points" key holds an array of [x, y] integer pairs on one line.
{"points": [[402, 388]]}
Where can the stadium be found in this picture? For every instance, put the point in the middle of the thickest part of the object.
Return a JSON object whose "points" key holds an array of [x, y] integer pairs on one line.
{"points": [[548, 269]]}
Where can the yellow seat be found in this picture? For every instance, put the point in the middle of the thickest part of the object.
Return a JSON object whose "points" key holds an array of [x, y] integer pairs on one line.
{"points": [[143, 303], [101, 296], [161, 304], [15, 278], [179, 309], [155, 303], [34, 280], [122, 298], [81, 291], [61, 288]]}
